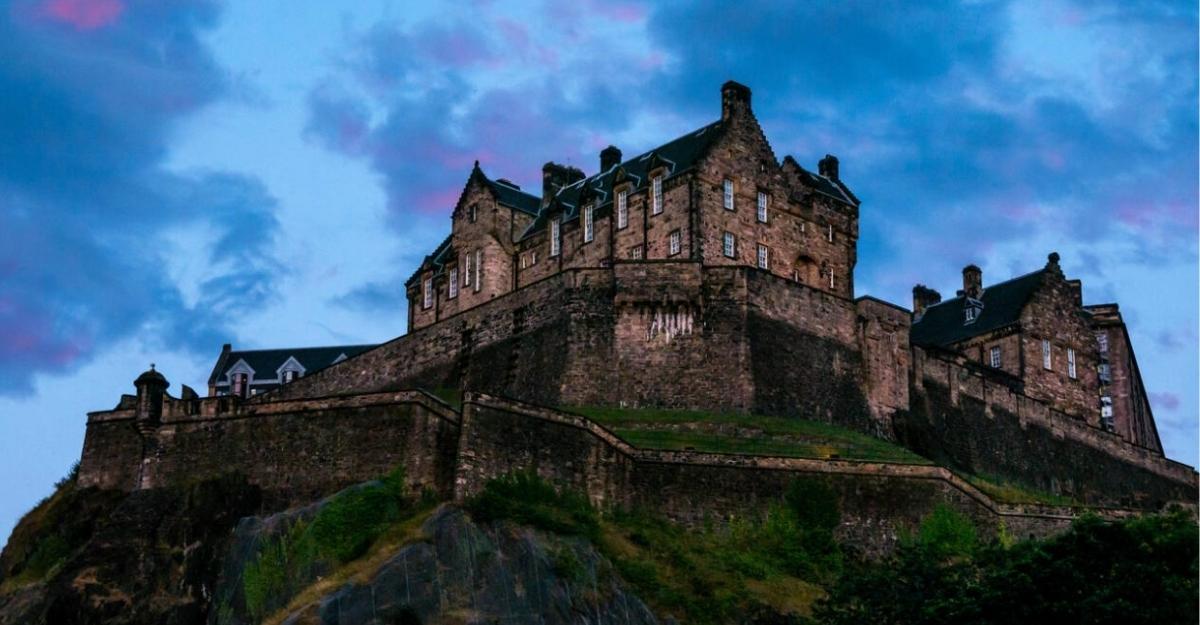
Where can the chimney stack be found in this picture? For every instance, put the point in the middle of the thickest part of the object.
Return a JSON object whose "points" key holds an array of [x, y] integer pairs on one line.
{"points": [[609, 157], [555, 177], [924, 297], [735, 99], [828, 167], [972, 281]]}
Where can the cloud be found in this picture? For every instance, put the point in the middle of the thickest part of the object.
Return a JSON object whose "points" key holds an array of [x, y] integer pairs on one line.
{"points": [[1165, 401], [85, 200]]}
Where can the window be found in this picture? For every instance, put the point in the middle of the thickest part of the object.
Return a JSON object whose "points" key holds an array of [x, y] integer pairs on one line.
{"points": [[656, 185], [555, 236], [240, 382], [829, 232], [589, 230], [762, 207], [635, 252], [467, 271], [1106, 410], [1071, 363], [995, 357], [427, 296], [290, 375], [831, 279], [524, 261], [1102, 341], [674, 242], [764, 257], [729, 246], [453, 283], [971, 313], [728, 194], [1046, 364], [478, 270], [1105, 373], [471, 213], [622, 209]]}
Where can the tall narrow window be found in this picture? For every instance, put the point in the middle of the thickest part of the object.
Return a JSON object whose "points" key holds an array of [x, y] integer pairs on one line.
{"points": [[1071, 363], [427, 297], [762, 207], [1046, 363], [764, 257], [831, 279], [729, 245], [1102, 341], [478, 270], [467, 270], [656, 189], [728, 194], [555, 236], [674, 242], [589, 230], [471, 213], [533, 258], [829, 232], [240, 382], [622, 209], [453, 283], [996, 357]]}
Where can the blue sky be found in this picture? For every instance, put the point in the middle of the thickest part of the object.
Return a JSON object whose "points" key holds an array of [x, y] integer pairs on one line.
{"points": [[175, 175]]}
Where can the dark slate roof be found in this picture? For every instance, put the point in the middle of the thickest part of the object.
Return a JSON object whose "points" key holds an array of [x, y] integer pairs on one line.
{"points": [[266, 362], [678, 155], [824, 185], [942, 324], [437, 258], [512, 196]]}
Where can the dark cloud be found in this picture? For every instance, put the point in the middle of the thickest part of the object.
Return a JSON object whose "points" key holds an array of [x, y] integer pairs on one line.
{"points": [[92, 92]]}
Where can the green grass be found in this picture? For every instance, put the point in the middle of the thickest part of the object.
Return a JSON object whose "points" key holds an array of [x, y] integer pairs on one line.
{"points": [[744, 434], [452, 396], [1005, 491]]}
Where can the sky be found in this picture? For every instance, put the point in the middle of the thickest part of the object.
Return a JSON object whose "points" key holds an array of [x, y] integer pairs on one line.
{"points": [[179, 174]]}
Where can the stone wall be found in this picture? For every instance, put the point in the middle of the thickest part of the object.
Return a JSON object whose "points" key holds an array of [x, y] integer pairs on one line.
{"points": [[878, 501], [974, 419], [296, 451]]}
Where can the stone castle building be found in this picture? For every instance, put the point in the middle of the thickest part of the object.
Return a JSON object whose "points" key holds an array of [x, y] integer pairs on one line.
{"points": [[704, 274]]}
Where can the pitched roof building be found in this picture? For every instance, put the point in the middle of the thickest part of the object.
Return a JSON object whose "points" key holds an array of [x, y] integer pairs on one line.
{"points": [[249, 372]]}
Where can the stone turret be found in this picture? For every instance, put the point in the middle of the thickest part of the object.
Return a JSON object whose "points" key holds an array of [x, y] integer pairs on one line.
{"points": [[151, 389]]}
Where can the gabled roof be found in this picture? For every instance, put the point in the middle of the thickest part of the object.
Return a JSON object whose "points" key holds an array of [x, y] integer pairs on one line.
{"points": [[508, 194], [943, 324], [834, 189], [265, 362], [437, 258], [678, 155]]}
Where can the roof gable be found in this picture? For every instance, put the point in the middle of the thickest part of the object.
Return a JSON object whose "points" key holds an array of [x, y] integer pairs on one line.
{"points": [[268, 362], [946, 323]]}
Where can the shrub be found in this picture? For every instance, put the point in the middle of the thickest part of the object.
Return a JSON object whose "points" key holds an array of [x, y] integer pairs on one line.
{"points": [[527, 499], [946, 534]]}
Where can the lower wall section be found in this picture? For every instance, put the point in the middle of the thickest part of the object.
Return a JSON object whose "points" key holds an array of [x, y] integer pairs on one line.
{"points": [[878, 501], [296, 451]]}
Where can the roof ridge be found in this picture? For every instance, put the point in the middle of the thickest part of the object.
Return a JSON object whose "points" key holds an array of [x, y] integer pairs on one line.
{"points": [[986, 288], [292, 349]]}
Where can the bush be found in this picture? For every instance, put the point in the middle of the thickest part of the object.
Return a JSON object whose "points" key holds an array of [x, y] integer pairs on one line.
{"points": [[527, 499], [946, 534]]}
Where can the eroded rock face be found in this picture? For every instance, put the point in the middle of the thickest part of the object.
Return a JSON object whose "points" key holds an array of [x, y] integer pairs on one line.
{"points": [[464, 572]]}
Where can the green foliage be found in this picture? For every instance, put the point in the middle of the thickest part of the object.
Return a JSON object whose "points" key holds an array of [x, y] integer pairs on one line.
{"points": [[1008, 491], [341, 531], [1138, 571], [525, 498], [946, 534]]}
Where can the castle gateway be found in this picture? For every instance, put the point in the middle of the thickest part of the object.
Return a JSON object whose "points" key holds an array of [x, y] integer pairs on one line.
{"points": [[704, 274]]}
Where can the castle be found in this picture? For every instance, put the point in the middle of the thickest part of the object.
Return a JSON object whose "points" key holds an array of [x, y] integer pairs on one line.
{"points": [[703, 274]]}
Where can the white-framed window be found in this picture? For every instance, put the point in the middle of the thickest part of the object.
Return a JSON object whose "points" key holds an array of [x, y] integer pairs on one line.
{"points": [[829, 232], [762, 207], [427, 293], [656, 190], [1102, 341], [995, 357], [478, 270], [1071, 363], [674, 242], [1106, 407], [555, 236], [453, 283], [1105, 373], [764, 257], [728, 194], [467, 272], [635, 252], [729, 245], [290, 375], [240, 382], [970, 312], [1046, 361], [622, 209], [589, 229]]}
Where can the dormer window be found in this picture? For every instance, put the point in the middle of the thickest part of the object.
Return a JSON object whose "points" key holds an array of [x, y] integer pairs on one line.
{"points": [[240, 382], [971, 310], [728, 194], [290, 375]]}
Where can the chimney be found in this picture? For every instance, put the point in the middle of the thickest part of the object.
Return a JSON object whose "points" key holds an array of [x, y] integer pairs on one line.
{"points": [[1052, 263], [1076, 287], [609, 157], [972, 281], [924, 297], [555, 177], [735, 98], [828, 167]]}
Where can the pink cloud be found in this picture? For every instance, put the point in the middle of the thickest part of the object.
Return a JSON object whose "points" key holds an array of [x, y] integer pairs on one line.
{"points": [[84, 14], [1165, 400]]}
